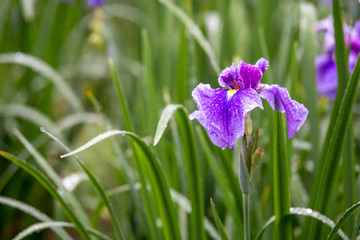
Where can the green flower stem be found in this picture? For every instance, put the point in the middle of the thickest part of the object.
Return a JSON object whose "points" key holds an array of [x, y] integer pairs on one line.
{"points": [[246, 153], [246, 211]]}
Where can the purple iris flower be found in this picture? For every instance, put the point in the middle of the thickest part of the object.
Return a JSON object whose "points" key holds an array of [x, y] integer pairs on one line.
{"points": [[328, 1], [90, 3], [95, 3], [222, 111], [326, 73]]}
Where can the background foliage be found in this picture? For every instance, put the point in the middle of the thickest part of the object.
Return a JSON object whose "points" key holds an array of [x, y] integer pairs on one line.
{"points": [[56, 74]]}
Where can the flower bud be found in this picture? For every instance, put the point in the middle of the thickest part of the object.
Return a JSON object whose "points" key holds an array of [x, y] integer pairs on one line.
{"points": [[248, 126], [257, 156]]}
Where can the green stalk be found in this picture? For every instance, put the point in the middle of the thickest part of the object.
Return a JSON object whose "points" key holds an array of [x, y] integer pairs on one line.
{"points": [[281, 181], [246, 211]]}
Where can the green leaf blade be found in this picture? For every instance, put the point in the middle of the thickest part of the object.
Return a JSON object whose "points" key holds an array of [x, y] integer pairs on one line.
{"points": [[51, 189], [218, 222], [281, 181], [193, 176]]}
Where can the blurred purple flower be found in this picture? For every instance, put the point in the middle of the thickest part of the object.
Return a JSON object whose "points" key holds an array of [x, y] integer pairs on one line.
{"points": [[328, 1], [222, 111], [326, 73], [95, 3], [90, 3]]}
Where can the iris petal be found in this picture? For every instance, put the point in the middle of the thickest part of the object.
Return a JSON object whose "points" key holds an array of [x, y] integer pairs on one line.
{"points": [[262, 64], [250, 74], [326, 76], [222, 114], [229, 76], [296, 113]]}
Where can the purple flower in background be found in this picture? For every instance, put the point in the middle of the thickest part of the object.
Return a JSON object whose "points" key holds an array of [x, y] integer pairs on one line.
{"points": [[326, 73], [326, 1], [222, 111], [90, 3], [95, 3]]}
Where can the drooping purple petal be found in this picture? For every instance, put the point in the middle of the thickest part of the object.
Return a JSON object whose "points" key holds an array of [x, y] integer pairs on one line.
{"points": [[95, 3], [222, 111], [326, 76], [251, 74], [229, 77], [296, 113]]}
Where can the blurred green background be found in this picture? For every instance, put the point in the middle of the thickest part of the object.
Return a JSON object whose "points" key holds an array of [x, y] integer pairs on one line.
{"points": [[159, 56]]}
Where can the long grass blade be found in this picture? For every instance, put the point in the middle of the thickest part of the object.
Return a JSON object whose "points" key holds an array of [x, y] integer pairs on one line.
{"points": [[149, 77], [28, 8], [51, 189], [191, 164], [341, 57], [348, 174], [39, 227], [33, 212], [165, 117], [129, 13], [342, 220], [304, 212], [98, 187], [46, 70], [53, 224], [323, 190], [30, 114], [194, 31], [181, 200], [193, 176], [223, 181], [340, 50], [159, 182], [182, 70], [149, 211], [218, 222], [67, 195], [281, 181], [121, 97], [308, 16], [77, 118]]}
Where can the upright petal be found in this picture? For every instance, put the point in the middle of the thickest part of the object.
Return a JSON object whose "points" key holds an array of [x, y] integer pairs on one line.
{"points": [[229, 77], [326, 76], [262, 64], [250, 74], [296, 113], [222, 111]]}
